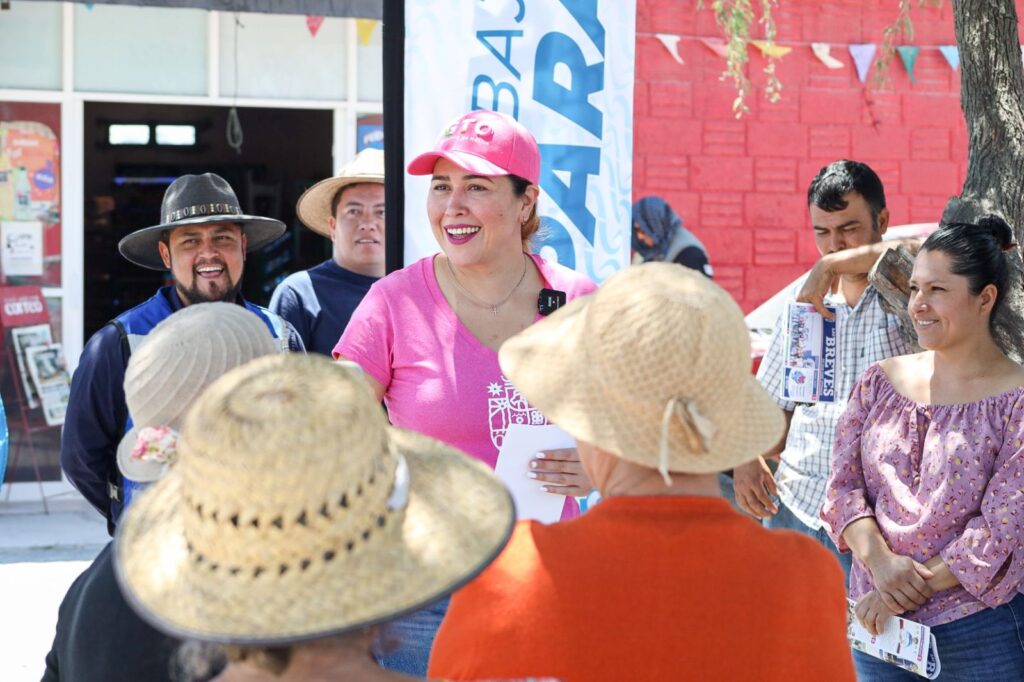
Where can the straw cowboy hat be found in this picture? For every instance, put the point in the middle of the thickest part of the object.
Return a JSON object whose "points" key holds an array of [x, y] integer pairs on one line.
{"points": [[653, 367], [172, 366], [314, 206], [296, 512], [197, 200]]}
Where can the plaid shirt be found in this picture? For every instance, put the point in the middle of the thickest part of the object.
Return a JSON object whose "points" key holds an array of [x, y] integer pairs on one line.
{"points": [[865, 334]]}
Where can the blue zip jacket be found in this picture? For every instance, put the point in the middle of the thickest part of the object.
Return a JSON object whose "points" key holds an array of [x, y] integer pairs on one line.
{"points": [[97, 416]]}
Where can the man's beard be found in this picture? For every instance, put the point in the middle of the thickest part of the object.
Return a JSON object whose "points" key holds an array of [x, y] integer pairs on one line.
{"points": [[193, 294]]}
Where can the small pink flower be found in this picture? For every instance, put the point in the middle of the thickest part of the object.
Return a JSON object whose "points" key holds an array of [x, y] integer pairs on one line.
{"points": [[156, 444]]}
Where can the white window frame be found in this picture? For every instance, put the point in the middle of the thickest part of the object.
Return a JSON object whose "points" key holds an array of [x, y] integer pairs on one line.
{"points": [[345, 112]]}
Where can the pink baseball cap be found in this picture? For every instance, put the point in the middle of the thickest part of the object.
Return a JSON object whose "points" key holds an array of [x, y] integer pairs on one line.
{"points": [[486, 143]]}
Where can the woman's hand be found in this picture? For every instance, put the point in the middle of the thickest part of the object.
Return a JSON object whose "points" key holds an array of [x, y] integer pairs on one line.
{"points": [[900, 581], [561, 472], [873, 612]]}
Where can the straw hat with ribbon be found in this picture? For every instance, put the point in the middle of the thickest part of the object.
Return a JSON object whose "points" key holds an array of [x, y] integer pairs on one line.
{"points": [[314, 206], [296, 512], [654, 367], [171, 367], [199, 200]]}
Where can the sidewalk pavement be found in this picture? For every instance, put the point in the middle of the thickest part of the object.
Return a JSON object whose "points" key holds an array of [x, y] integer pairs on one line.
{"points": [[72, 530]]}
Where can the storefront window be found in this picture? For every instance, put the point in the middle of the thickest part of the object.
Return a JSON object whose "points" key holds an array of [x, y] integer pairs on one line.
{"points": [[30, 46], [282, 56], [30, 182], [371, 64], [146, 50]]}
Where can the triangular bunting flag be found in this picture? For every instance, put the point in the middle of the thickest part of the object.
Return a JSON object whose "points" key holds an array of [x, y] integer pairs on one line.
{"points": [[313, 23], [908, 54], [771, 50], [364, 28], [716, 45], [952, 55], [671, 43], [862, 55], [823, 51], [89, 5]]}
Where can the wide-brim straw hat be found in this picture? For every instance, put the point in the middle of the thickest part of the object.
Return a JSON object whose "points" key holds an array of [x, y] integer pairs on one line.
{"points": [[314, 206], [197, 200], [183, 354], [295, 512], [653, 367]]}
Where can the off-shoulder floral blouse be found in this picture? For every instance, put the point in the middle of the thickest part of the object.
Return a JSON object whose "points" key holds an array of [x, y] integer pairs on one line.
{"points": [[939, 479]]}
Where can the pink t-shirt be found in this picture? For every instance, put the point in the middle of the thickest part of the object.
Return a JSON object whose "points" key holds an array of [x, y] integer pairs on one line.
{"points": [[439, 380]]}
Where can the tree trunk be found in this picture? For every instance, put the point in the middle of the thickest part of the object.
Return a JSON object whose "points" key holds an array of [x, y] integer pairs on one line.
{"points": [[992, 99]]}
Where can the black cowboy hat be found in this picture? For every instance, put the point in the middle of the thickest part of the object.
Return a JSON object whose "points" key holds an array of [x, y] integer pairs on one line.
{"points": [[197, 200]]}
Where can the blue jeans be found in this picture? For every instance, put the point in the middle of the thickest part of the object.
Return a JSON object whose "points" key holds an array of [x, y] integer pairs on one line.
{"points": [[411, 638], [785, 519], [987, 646]]}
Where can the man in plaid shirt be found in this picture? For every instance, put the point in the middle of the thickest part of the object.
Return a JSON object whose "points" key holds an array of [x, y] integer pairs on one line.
{"points": [[847, 209]]}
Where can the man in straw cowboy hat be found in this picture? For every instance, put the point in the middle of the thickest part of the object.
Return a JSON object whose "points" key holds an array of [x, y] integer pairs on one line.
{"points": [[348, 208], [99, 638], [662, 580], [202, 240], [296, 519]]}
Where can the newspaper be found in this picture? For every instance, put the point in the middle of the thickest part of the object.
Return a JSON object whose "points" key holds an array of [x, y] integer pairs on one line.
{"points": [[23, 338], [51, 380], [903, 643], [809, 358]]}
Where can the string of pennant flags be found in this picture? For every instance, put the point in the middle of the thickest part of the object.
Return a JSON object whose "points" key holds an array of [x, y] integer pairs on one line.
{"points": [[862, 54]]}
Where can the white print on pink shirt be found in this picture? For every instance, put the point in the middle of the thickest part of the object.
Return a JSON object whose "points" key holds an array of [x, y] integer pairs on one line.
{"points": [[506, 406]]}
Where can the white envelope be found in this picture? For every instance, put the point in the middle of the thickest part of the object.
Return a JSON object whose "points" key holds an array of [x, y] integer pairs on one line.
{"points": [[519, 446]]}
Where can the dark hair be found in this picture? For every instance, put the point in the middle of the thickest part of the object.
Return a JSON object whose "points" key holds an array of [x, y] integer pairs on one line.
{"points": [[336, 199], [838, 179], [532, 223], [977, 251]]}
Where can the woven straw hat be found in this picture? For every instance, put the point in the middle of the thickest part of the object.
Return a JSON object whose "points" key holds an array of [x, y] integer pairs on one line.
{"points": [[314, 206], [176, 361], [653, 367], [296, 512]]}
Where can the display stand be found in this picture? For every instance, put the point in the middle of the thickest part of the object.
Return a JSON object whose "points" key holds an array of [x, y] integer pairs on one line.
{"points": [[21, 307]]}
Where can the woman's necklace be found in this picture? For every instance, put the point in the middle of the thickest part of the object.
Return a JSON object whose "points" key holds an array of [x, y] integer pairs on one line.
{"points": [[473, 299]]}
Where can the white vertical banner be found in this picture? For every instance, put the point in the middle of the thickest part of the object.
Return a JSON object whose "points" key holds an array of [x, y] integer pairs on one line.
{"points": [[564, 69]]}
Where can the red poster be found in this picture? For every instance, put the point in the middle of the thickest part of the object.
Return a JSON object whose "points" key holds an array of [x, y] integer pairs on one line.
{"points": [[22, 306]]}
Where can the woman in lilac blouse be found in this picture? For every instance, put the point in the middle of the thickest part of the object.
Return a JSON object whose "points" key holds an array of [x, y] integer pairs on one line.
{"points": [[928, 469]]}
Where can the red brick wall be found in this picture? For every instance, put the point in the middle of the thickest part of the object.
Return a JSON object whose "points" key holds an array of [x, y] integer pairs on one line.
{"points": [[741, 185]]}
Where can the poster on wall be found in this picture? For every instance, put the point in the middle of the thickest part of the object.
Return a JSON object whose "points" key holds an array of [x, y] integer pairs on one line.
{"points": [[51, 380], [30, 183], [563, 69], [21, 248]]}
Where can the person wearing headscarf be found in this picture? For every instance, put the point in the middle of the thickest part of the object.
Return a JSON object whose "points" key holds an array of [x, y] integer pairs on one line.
{"points": [[659, 235]]}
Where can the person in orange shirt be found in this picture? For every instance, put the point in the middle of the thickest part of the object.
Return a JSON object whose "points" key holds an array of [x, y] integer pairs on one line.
{"points": [[662, 580]]}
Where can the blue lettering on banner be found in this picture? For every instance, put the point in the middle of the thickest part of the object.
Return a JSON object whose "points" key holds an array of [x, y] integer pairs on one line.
{"points": [[497, 90], [572, 198], [828, 361], [504, 57], [585, 14], [573, 103]]}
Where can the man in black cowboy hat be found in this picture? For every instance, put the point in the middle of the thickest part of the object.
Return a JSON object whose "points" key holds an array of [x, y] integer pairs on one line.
{"points": [[202, 240]]}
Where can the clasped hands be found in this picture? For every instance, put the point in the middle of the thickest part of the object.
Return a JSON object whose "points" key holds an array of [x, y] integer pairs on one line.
{"points": [[901, 585]]}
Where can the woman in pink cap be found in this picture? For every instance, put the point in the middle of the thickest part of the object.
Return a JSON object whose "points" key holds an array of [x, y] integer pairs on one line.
{"points": [[427, 336]]}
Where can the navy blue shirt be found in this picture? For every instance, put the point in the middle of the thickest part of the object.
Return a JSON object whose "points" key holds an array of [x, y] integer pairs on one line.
{"points": [[96, 413], [319, 302]]}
